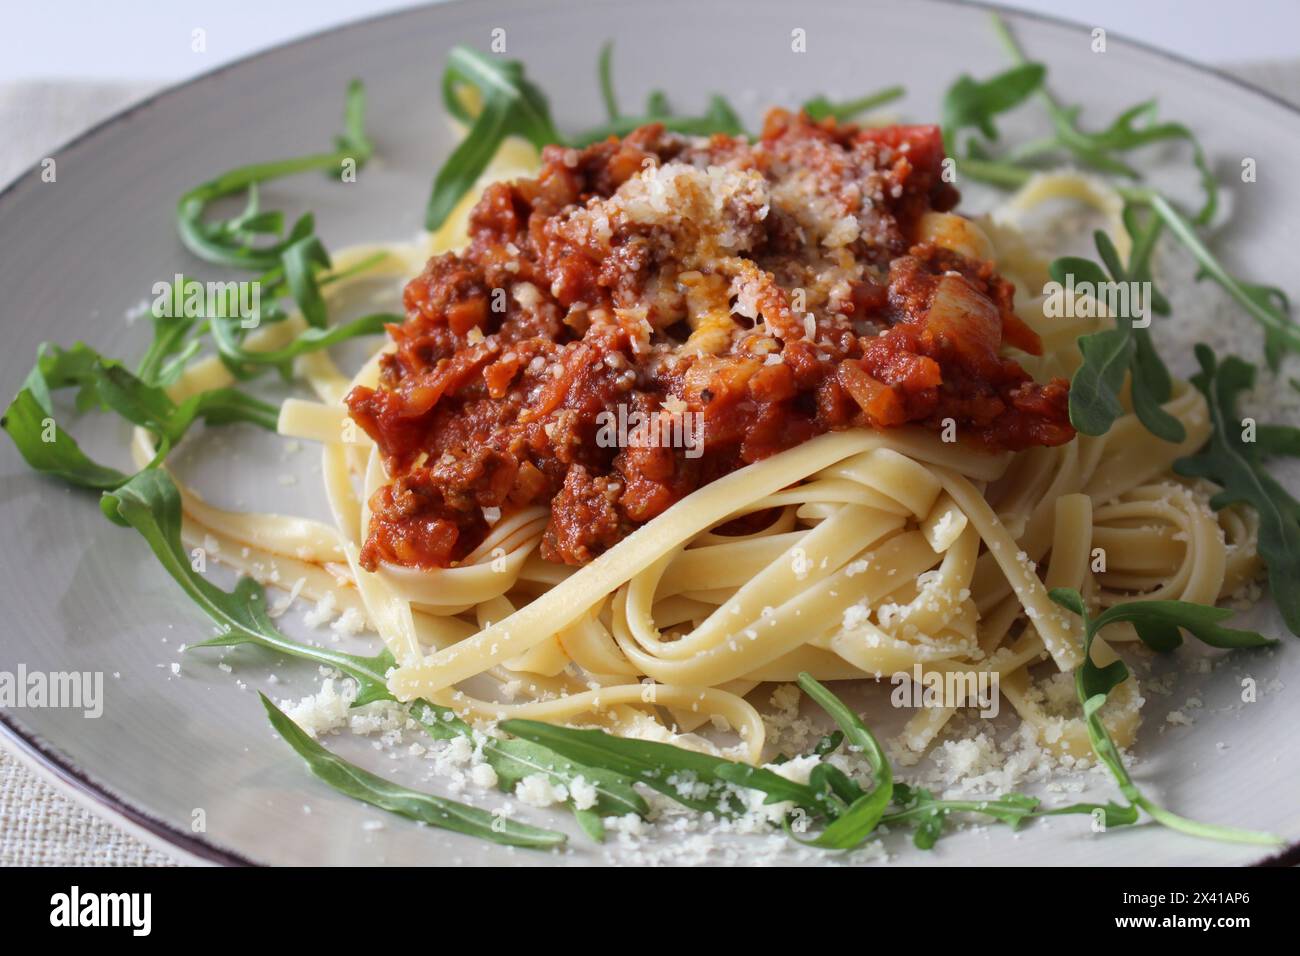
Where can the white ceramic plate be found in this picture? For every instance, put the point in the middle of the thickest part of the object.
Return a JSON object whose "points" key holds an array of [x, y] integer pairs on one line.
{"points": [[81, 594]]}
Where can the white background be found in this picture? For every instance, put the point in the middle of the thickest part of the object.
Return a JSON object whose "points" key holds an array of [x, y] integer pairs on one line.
{"points": [[150, 39]]}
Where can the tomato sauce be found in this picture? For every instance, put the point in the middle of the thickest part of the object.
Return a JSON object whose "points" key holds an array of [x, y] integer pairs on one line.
{"points": [[775, 289]]}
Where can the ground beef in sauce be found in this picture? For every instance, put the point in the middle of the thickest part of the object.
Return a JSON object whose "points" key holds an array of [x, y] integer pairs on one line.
{"points": [[773, 287]]}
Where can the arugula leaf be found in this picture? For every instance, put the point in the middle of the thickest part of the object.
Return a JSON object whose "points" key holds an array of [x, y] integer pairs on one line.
{"points": [[592, 823], [221, 406], [1112, 355], [1093, 685], [829, 743], [106, 384], [302, 280], [776, 787], [150, 406], [1274, 440], [300, 263], [1095, 387], [1151, 384], [511, 105], [350, 780], [231, 242], [257, 628], [140, 404], [58, 368], [1151, 387], [1237, 466], [515, 759], [673, 771], [970, 102], [920, 807], [151, 503], [1099, 149], [169, 351], [1160, 624], [246, 361], [656, 105], [863, 815], [854, 815], [1133, 128], [1112, 814], [1144, 229], [1260, 302], [353, 143], [1274, 301], [29, 425], [719, 117], [439, 722], [890, 802], [831, 780]]}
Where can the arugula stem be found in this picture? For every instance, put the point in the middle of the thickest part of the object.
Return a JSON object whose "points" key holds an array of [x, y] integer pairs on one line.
{"points": [[1185, 234], [368, 670], [1144, 244], [872, 101], [1206, 831], [605, 71], [311, 340], [1032, 149], [1018, 56], [820, 107], [995, 173], [623, 125], [943, 806]]}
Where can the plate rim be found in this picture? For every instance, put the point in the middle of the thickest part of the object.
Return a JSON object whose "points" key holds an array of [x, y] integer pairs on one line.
{"points": [[63, 773], [49, 765]]}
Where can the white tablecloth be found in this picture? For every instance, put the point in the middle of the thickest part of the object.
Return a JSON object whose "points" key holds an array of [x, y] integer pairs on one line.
{"points": [[38, 825]]}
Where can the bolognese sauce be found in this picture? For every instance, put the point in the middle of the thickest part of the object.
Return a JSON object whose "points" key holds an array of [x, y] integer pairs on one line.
{"points": [[776, 289]]}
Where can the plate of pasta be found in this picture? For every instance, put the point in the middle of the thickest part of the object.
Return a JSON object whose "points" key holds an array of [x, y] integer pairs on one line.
{"points": [[518, 448]]}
